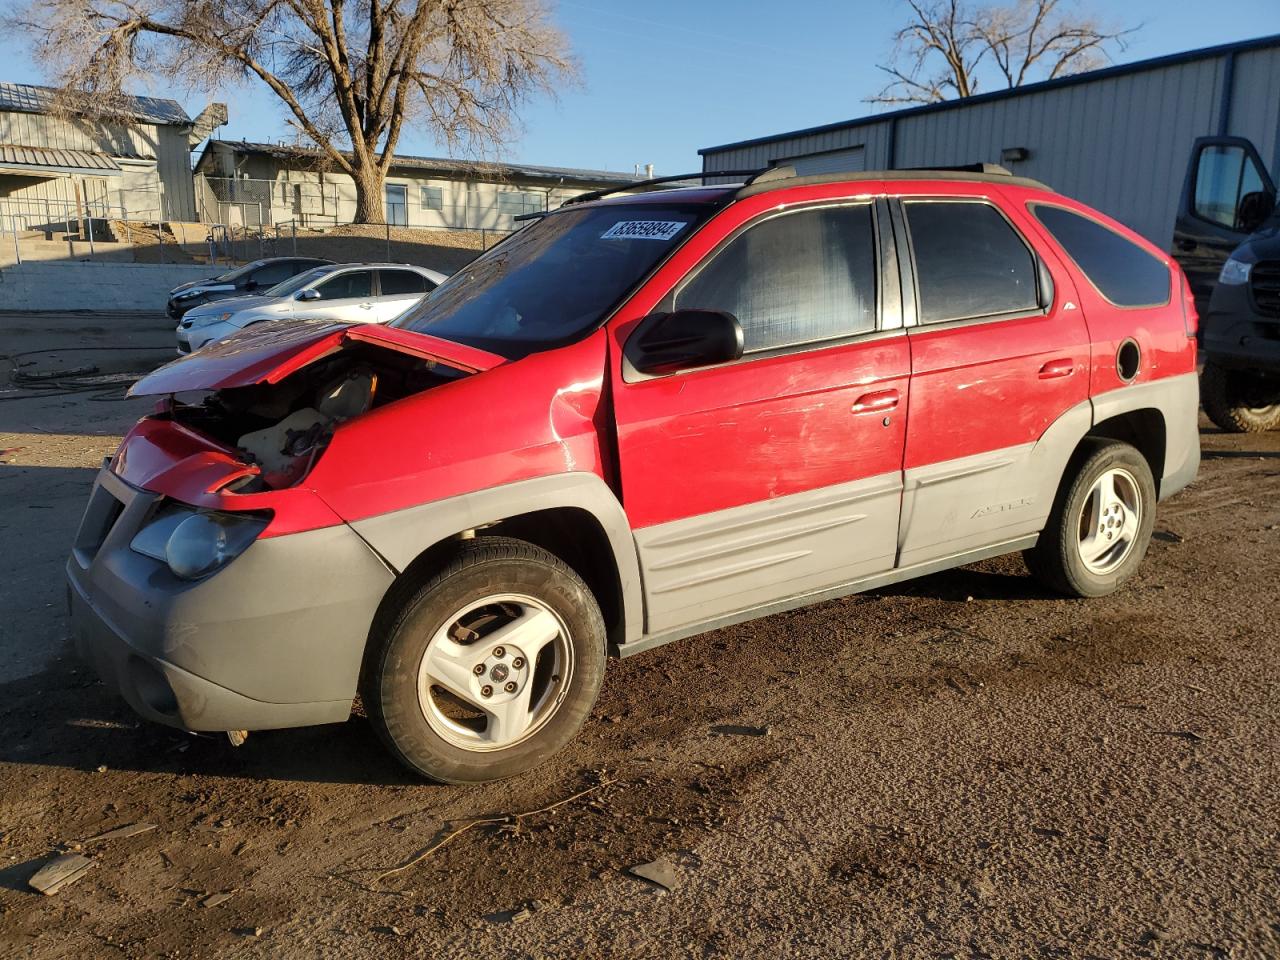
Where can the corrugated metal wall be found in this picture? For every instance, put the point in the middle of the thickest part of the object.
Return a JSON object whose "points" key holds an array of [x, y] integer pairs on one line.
{"points": [[1120, 143], [147, 190]]}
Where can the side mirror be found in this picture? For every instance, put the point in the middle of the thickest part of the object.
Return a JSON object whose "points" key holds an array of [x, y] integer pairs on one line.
{"points": [[251, 284], [687, 338], [1253, 210], [309, 294]]}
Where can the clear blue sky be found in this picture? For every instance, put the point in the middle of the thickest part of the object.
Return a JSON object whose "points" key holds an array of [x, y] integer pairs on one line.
{"points": [[663, 78]]}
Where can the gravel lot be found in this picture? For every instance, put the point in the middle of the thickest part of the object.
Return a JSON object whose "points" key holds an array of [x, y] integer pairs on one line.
{"points": [[962, 766]]}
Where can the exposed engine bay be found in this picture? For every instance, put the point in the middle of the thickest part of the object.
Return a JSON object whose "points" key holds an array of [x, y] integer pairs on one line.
{"points": [[283, 427]]}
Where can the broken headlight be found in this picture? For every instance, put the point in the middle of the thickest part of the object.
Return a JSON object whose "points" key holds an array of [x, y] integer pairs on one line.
{"points": [[197, 544]]}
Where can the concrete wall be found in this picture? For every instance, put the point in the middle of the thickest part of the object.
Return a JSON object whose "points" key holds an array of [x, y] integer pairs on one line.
{"points": [[140, 287]]}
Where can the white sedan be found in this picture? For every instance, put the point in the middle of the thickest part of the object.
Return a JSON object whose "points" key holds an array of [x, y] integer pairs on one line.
{"points": [[346, 292]]}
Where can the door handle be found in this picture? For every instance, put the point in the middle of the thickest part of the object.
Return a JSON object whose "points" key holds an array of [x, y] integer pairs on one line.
{"points": [[1057, 368], [873, 402]]}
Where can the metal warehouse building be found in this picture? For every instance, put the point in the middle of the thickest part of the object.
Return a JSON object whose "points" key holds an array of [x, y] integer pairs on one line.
{"points": [[1119, 139]]}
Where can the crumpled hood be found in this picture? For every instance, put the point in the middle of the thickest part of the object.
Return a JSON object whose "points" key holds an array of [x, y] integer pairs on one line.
{"points": [[269, 353]]}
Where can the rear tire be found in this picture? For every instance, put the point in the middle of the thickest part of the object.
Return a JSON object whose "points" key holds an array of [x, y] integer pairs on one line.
{"points": [[490, 667], [1238, 401], [1100, 525]]}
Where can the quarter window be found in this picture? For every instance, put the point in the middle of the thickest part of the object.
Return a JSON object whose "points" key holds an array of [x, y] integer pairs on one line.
{"points": [[969, 262], [1121, 270], [793, 279]]}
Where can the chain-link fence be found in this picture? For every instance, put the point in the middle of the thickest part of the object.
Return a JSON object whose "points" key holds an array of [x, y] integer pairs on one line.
{"points": [[52, 230]]}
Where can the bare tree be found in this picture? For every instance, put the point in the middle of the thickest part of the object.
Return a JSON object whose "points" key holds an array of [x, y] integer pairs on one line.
{"points": [[350, 73], [940, 53]]}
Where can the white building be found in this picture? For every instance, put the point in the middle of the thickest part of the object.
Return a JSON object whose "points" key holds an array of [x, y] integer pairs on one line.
{"points": [[55, 167], [254, 184]]}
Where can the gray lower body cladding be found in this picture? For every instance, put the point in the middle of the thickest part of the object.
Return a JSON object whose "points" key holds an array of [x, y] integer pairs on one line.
{"points": [[273, 639]]}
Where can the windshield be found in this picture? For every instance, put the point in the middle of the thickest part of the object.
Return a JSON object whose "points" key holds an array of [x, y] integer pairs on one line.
{"points": [[287, 288], [239, 272], [554, 280]]}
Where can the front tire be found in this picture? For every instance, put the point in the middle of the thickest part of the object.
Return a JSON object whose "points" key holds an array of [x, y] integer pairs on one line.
{"points": [[1238, 401], [490, 667], [1100, 525]]}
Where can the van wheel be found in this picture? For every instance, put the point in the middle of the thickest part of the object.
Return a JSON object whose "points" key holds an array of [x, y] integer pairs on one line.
{"points": [[490, 667], [1238, 401], [1100, 525]]}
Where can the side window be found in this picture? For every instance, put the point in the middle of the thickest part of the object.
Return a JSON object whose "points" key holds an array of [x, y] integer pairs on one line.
{"points": [[272, 274], [399, 283], [969, 261], [1122, 271], [794, 279], [346, 286], [1225, 175]]}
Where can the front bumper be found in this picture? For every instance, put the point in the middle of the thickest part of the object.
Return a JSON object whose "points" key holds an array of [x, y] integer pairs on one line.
{"points": [[1233, 334], [191, 339], [273, 639]]}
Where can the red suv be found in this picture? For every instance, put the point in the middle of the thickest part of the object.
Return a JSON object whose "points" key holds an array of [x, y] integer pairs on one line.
{"points": [[636, 419]]}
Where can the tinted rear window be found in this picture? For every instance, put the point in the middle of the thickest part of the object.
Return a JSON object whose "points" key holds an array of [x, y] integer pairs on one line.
{"points": [[1122, 271], [969, 261]]}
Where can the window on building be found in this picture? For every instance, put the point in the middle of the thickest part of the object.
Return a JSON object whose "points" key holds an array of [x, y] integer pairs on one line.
{"points": [[397, 204], [793, 279], [1122, 271], [432, 198], [969, 261], [514, 203]]}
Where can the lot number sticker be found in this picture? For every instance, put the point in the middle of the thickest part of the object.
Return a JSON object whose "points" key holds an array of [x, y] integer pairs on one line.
{"points": [[643, 230]]}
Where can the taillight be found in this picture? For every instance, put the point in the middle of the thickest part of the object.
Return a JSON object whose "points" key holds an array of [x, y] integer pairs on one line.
{"points": [[1190, 317]]}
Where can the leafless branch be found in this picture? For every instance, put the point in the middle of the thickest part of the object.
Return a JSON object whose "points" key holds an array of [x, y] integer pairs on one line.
{"points": [[350, 73], [940, 52]]}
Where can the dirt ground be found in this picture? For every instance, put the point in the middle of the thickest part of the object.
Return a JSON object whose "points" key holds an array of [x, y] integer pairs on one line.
{"points": [[962, 766]]}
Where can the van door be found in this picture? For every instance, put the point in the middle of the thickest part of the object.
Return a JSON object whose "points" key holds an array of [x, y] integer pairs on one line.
{"points": [[1226, 196]]}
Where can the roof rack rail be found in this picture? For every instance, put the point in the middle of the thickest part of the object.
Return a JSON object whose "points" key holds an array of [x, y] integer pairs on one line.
{"points": [[786, 176], [656, 181]]}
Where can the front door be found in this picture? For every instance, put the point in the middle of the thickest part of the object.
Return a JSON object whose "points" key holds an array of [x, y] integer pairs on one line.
{"points": [[346, 296], [397, 204], [778, 475]]}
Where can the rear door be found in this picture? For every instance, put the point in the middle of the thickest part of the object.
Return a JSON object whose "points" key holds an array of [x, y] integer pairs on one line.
{"points": [[999, 381], [1226, 196], [398, 290], [780, 474]]}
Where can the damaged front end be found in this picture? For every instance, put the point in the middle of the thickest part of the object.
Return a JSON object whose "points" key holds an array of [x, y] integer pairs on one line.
{"points": [[254, 414]]}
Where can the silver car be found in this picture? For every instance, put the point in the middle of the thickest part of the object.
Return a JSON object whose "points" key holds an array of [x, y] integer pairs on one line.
{"points": [[347, 292]]}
